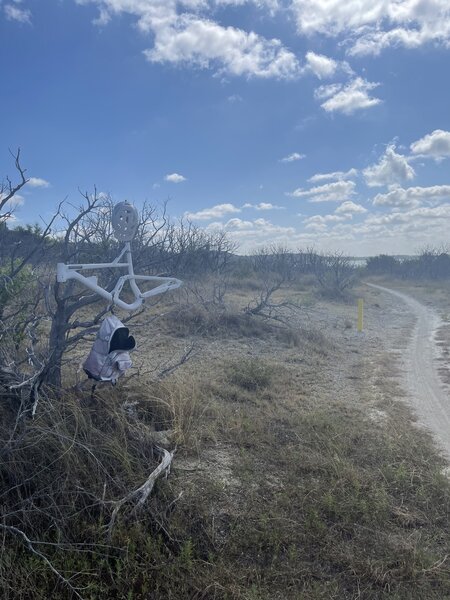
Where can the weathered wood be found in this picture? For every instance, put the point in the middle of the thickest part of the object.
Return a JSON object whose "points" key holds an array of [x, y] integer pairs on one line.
{"points": [[142, 492]]}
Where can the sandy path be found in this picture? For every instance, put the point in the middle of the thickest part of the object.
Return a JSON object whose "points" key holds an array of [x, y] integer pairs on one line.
{"points": [[428, 396]]}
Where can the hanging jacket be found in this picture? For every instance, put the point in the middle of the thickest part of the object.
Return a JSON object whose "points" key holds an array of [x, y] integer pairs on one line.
{"points": [[109, 358]]}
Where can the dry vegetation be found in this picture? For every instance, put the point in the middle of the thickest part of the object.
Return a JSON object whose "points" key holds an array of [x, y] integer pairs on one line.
{"points": [[284, 485], [297, 471]]}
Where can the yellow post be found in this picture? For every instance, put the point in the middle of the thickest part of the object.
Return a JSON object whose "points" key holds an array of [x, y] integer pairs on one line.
{"points": [[360, 314]]}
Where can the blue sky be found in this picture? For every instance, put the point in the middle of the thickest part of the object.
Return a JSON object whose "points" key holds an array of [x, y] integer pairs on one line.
{"points": [[295, 122]]}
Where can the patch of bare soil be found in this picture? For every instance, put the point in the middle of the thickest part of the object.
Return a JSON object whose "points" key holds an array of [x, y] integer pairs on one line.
{"points": [[425, 366]]}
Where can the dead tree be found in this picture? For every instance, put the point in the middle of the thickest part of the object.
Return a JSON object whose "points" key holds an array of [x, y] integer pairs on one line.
{"points": [[275, 267], [9, 190], [335, 274]]}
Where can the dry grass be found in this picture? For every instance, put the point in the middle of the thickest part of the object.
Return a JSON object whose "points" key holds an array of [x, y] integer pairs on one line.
{"points": [[288, 488]]}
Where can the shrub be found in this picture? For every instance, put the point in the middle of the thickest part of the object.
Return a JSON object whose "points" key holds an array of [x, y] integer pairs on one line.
{"points": [[250, 374]]}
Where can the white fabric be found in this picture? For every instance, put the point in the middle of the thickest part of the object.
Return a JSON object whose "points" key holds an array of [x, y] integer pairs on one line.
{"points": [[101, 364]]}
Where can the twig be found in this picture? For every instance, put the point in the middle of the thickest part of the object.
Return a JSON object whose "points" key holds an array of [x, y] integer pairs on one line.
{"points": [[29, 544], [168, 370]]}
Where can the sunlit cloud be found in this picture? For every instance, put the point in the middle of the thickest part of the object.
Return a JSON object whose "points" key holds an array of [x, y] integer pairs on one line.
{"points": [[347, 98], [413, 196], [175, 178], [263, 206], [434, 145], [350, 208], [335, 175], [292, 157], [392, 168], [337, 191], [37, 182], [215, 212]]}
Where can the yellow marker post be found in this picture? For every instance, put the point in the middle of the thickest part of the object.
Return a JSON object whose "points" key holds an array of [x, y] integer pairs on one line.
{"points": [[360, 314]]}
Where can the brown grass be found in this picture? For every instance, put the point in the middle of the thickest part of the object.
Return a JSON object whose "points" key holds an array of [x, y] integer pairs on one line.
{"points": [[283, 487]]}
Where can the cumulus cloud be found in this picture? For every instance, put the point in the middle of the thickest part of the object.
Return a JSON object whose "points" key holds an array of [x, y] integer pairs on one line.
{"points": [[15, 13], [203, 43], [335, 176], [37, 182], [421, 224], [175, 178], [423, 212], [182, 34], [263, 206], [347, 98], [320, 222], [251, 233], [435, 144], [322, 66], [392, 169], [292, 157], [350, 208], [369, 26], [337, 191], [271, 4], [413, 196], [215, 212]]}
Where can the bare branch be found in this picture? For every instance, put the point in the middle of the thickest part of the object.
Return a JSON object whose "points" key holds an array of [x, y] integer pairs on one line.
{"points": [[29, 544], [8, 190]]}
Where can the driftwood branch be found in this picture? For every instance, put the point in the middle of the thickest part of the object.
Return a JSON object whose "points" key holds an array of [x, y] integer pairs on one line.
{"points": [[142, 492]]}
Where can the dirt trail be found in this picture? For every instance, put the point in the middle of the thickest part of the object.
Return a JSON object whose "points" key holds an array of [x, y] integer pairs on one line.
{"points": [[429, 398]]}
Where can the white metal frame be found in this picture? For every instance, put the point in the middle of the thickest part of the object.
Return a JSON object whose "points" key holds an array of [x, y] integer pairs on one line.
{"points": [[65, 272]]}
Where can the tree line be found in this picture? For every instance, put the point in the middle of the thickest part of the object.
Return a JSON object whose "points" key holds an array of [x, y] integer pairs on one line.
{"points": [[430, 263]]}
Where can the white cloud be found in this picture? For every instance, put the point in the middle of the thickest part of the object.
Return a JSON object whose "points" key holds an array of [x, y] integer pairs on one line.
{"points": [[350, 208], [336, 175], [292, 157], [16, 200], [392, 169], [183, 35], [372, 25], [204, 43], [333, 18], [348, 98], [337, 191], [413, 196], [322, 66], [175, 178], [272, 4], [215, 212], [320, 222], [263, 206], [435, 144], [413, 216], [250, 234], [14, 13], [38, 182]]}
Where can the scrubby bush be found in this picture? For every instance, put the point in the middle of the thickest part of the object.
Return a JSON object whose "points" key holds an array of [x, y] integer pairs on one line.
{"points": [[250, 374]]}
